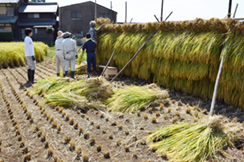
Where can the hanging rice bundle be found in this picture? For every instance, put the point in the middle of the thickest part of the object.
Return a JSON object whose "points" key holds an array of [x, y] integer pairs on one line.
{"points": [[101, 21], [196, 141], [133, 98], [182, 56], [50, 85], [81, 56], [67, 100]]}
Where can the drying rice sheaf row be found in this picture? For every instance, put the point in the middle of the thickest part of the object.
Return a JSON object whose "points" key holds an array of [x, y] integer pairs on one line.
{"points": [[183, 60], [198, 25], [12, 54]]}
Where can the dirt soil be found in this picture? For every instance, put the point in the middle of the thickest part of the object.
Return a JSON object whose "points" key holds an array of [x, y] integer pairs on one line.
{"points": [[32, 130]]}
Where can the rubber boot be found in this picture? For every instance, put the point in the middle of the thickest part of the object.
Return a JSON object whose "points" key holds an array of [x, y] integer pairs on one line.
{"points": [[72, 74], [29, 75], [88, 76], [58, 74], [66, 74], [32, 76]]}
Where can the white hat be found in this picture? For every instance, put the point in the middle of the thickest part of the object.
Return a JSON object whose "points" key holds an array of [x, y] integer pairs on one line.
{"points": [[60, 33]]}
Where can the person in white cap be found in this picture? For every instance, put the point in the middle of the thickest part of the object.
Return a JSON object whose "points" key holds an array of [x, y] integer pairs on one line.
{"points": [[69, 52], [59, 53]]}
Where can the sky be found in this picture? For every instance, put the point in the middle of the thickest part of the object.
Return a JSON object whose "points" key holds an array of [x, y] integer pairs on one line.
{"points": [[144, 10]]}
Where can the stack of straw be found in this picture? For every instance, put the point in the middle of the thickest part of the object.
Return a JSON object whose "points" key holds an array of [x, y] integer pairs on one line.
{"points": [[183, 56]]}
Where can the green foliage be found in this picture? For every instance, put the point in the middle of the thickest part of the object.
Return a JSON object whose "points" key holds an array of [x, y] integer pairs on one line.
{"points": [[49, 30], [6, 36]]}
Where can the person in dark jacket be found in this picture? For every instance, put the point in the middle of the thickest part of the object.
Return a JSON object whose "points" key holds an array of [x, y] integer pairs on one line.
{"points": [[90, 47]]}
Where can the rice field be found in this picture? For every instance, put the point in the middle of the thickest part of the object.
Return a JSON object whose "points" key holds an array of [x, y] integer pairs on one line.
{"points": [[13, 54], [74, 125], [131, 119], [61, 120]]}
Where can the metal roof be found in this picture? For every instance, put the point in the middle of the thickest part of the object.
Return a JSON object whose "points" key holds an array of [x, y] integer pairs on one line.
{"points": [[39, 8], [8, 19], [38, 22], [88, 2], [9, 1]]}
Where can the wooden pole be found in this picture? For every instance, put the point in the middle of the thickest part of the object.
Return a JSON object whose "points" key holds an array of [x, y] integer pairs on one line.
{"points": [[125, 11], [156, 18], [229, 11], [234, 15], [111, 5], [162, 8], [219, 72], [108, 62], [95, 10]]}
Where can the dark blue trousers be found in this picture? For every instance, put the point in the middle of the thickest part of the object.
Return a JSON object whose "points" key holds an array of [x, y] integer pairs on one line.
{"points": [[91, 59]]}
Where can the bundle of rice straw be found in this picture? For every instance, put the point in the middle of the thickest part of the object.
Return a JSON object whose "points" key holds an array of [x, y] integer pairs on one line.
{"points": [[67, 100], [81, 69], [50, 85], [95, 89], [133, 98], [196, 141]]}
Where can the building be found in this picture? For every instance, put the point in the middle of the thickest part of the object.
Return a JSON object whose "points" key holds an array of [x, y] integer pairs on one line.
{"points": [[8, 19], [16, 15], [42, 18], [76, 18]]}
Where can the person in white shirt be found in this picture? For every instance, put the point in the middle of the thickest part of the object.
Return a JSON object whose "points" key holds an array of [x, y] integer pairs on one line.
{"points": [[30, 55], [70, 53], [59, 57]]}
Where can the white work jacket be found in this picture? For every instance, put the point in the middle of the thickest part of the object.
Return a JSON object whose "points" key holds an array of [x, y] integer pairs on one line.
{"points": [[58, 43], [29, 48], [69, 45]]}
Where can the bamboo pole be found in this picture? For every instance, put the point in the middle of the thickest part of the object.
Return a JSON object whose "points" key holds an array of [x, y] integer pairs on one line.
{"points": [[108, 63], [95, 10], [125, 11], [235, 10], [162, 8], [219, 72]]}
